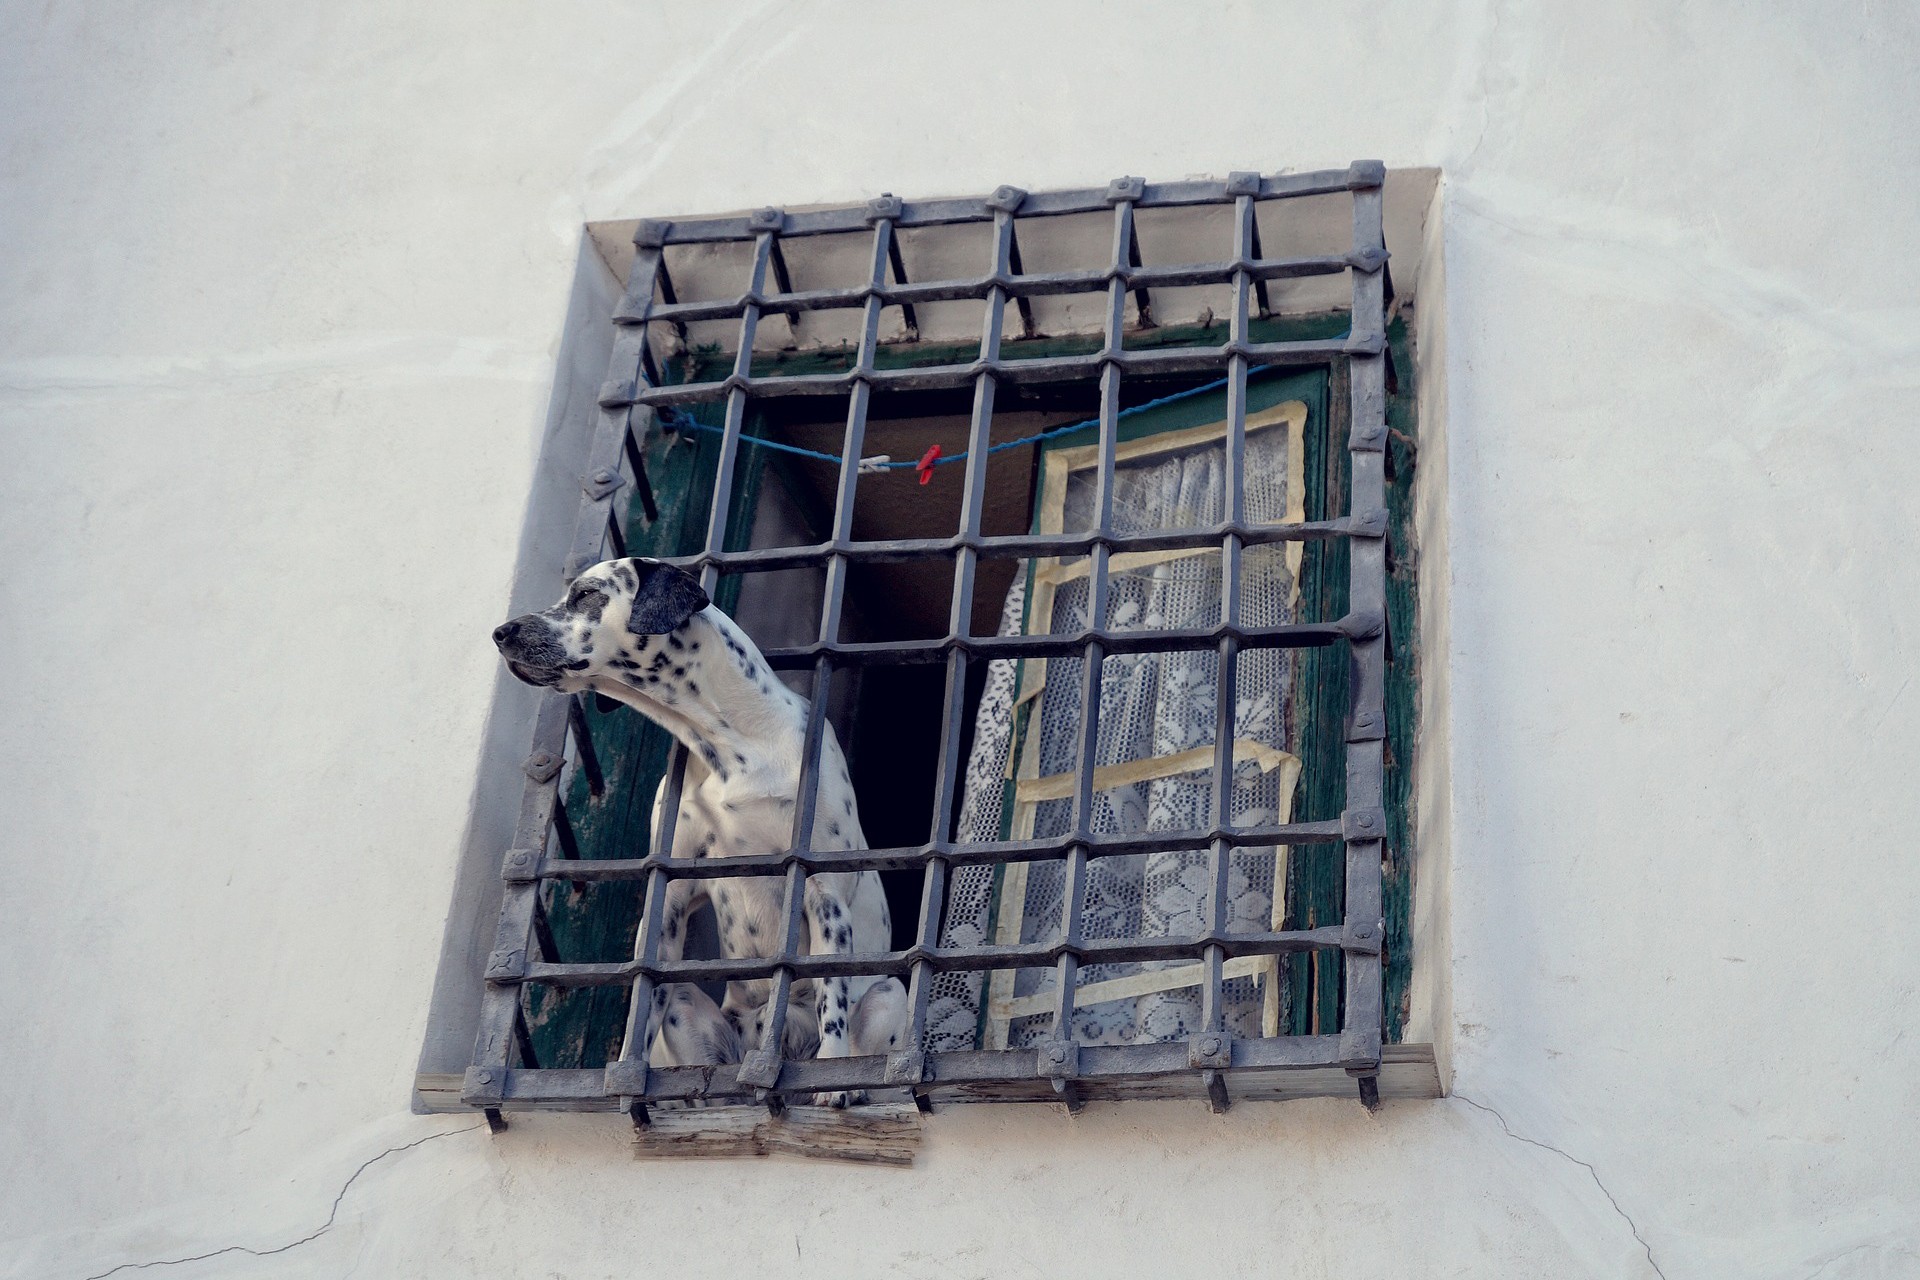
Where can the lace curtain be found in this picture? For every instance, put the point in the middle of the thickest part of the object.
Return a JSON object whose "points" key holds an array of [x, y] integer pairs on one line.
{"points": [[1154, 758]]}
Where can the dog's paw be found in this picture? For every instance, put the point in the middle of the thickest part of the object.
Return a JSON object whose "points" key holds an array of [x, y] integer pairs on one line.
{"points": [[841, 1099]]}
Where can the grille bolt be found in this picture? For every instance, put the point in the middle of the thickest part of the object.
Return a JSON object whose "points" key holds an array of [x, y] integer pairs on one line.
{"points": [[1058, 1053], [484, 1077], [1210, 1045]]}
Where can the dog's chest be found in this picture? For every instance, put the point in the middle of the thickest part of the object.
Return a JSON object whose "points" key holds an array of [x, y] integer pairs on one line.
{"points": [[747, 912]]}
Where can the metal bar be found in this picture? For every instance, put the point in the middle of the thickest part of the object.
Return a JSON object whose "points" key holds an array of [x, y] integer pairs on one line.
{"points": [[1293, 635], [1006, 1074], [933, 213], [1362, 1026], [523, 1038], [916, 857], [1306, 353], [637, 463], [513, 936], [960, 623], [737, 395], [1142, 300], [583, 745], [625, 1076], [1023, 955], [1021, 546], [807, 793], [904, 300], [1013, 282], [783, 281], [1073, 889], [1234, 480], [563, 832], [1252, 250], [615, 539], [1014, 267]]}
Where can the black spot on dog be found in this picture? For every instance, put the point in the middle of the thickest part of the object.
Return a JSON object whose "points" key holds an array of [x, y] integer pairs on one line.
{"points": [[679, 672], [673, 1019], [849, 804], [693, 690], [740, 759], [833, 828], [842, 936], [674, 640], [753, 930]]}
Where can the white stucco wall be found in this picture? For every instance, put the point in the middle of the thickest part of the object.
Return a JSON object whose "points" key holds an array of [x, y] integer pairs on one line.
{"points": [[280, 300]]}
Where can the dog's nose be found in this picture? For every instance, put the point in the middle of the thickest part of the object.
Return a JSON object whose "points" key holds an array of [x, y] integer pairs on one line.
{"points": [[506, 631]]}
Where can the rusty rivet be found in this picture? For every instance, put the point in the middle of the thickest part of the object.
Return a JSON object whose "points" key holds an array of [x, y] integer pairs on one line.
{"points": [[484, 1077], [1210, 1045]]}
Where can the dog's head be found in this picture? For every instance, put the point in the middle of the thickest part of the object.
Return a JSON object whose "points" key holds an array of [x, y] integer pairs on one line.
{"points": [[608, 612]]}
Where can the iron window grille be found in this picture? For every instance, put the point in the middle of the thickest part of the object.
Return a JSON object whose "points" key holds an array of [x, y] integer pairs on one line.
{"points": [[504, 1073]]}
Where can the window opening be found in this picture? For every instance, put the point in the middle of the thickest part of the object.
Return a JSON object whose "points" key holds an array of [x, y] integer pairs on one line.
{"points": [[1125, 882]]}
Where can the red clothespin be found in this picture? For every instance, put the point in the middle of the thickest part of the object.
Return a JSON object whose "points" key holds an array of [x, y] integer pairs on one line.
{"points": [[925, 465]]}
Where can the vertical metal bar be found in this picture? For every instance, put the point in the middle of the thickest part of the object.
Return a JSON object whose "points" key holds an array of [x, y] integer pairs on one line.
{"points": [[636, 459], [1142, 300], [1253, 251], [763, 1065], [1212, 1048], [959, 625], [583, 745], [1023, 303], [784, 281], [1361, 1031], [493, 1042], [626, 1076], [563, 831], [899, 265], [523, 1037], [1074, 888], [736, 415]]}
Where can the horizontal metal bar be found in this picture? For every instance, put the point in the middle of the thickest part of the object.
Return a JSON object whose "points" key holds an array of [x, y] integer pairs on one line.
{"points": [[1037, 285], [979, 1073], [1020, 546], [936, 213], [1087, 951], [1295, 635], [912, 857], [1166, 360]]}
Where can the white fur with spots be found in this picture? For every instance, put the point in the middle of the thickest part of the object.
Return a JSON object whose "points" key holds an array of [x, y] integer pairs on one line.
{"points": [[704, 681]]}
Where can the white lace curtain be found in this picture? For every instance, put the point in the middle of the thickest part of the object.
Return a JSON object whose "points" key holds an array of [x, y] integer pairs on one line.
{"points": [[1154, 758]]}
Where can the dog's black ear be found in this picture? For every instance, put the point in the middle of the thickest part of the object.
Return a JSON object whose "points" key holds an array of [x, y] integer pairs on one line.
{"points": [[605, 705], [666, 598]]}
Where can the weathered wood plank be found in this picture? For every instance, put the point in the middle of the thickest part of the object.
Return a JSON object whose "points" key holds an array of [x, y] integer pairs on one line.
{"points": [[879, 1133]]}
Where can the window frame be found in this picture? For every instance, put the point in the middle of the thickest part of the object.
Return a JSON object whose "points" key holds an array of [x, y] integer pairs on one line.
{"points": [[636, 390]]}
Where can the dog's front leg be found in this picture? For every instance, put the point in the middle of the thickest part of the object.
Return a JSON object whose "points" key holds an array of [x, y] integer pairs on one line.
{"points": [[830, 932]]}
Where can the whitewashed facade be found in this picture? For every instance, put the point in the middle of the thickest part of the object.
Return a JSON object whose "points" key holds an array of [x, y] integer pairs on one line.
{"points": [[282, 299]]}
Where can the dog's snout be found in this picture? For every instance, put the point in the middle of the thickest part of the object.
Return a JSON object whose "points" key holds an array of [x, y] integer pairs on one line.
{"points": [[507, 632]]}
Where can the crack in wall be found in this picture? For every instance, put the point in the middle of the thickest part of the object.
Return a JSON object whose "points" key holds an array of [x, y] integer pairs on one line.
{"points": [[1591, 1172], [332, 1215]]}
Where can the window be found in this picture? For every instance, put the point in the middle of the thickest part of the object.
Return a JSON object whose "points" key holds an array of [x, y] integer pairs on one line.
{"points": [[1155, 841]]}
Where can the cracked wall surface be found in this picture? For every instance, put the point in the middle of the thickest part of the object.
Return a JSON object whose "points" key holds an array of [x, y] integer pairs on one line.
{"points": [[280, 308]]}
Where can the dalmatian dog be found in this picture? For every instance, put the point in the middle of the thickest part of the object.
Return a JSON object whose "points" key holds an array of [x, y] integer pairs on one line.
{"points": [[645, 634]]}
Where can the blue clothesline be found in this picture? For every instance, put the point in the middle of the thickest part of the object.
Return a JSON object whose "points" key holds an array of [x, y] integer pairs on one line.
{"points": [[680, 420]]}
